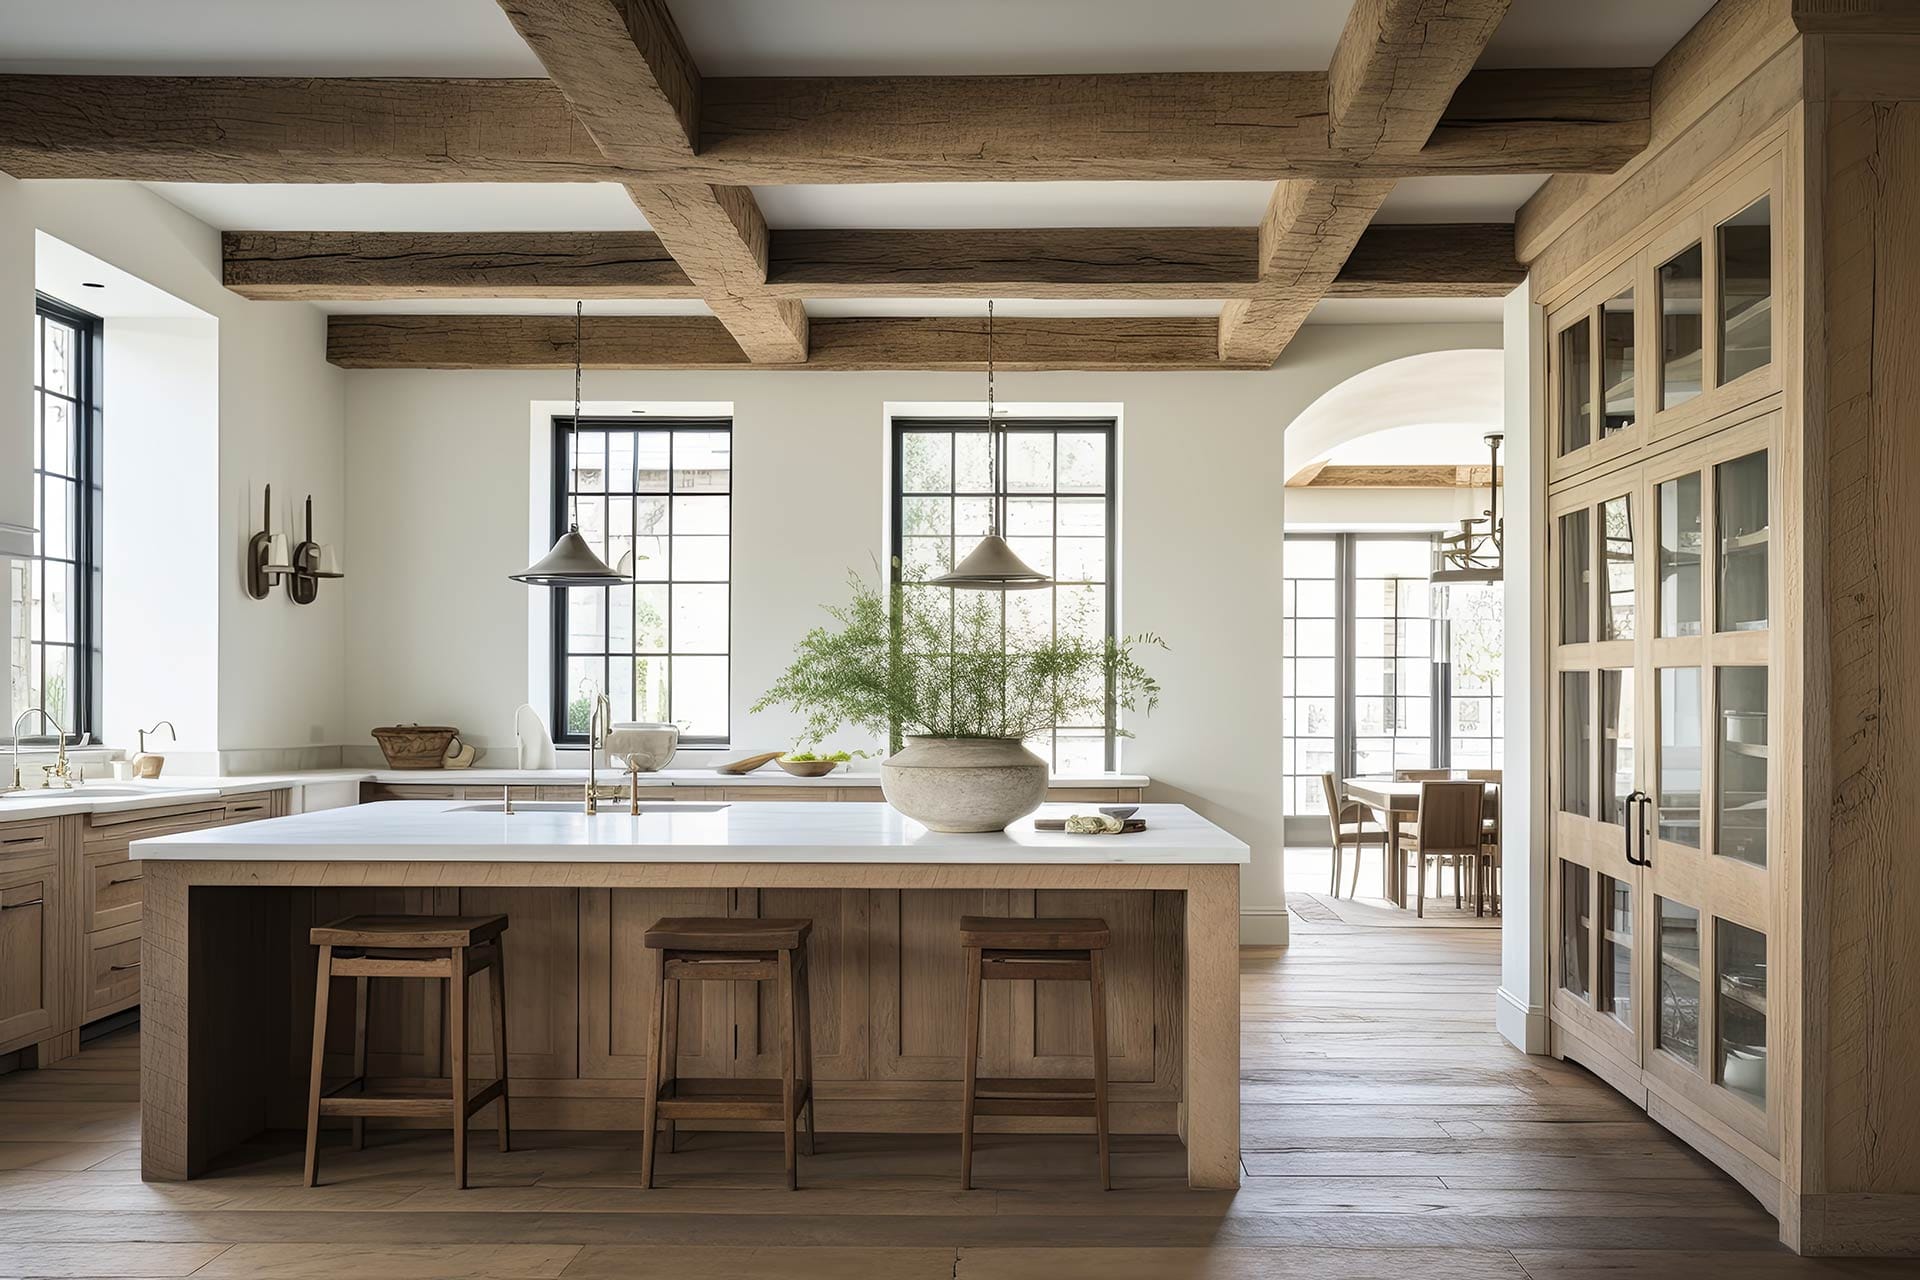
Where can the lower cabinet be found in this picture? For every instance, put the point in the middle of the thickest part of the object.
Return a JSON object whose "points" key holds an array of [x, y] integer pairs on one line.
{"points": [[70, 914]]}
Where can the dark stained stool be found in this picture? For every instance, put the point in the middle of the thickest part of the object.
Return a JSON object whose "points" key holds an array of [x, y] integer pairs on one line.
{"points": [[1015, 950], [449, 948], [724, 950]]}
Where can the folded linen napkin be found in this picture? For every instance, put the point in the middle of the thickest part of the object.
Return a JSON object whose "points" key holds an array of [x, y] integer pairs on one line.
{"points": [[1093, 824]]}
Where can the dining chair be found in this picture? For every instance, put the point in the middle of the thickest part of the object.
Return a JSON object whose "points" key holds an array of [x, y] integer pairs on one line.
{"points": [[1346, 821], [1422, 775], [1446, 831], [1487, 867]]}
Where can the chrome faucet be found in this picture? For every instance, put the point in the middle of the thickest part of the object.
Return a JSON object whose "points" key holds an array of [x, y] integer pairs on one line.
{"points": [[60, 770]]}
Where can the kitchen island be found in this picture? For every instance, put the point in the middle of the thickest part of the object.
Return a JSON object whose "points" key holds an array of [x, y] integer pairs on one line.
{"points": [[228, 972]]}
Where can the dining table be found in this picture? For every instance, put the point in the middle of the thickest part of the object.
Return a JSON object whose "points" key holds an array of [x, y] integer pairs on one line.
{"points": [[1395, 801]]}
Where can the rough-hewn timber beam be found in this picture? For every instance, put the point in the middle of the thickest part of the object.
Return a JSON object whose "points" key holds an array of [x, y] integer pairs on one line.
{"points": [[1431, 260], [697, 342], [627, 73], [1397, 65], [885, 129], [451, 264], [1412, 476]]}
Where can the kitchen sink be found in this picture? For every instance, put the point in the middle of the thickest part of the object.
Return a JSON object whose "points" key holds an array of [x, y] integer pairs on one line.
{"points": [[81, 792], [607, 807]]}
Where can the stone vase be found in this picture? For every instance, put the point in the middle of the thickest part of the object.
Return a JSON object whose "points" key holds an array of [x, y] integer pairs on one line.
{"points": [[964, 784]]}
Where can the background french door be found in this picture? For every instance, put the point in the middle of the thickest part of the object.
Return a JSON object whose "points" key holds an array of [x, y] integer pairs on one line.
{"points": [[1664, 593]]}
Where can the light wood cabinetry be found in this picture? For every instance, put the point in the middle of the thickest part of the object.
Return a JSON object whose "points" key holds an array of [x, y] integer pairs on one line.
{"points": [[71, 907]]}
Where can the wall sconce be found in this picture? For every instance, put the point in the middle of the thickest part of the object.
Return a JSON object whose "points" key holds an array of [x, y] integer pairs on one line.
{"points": [[268, 559], [312, 561]]}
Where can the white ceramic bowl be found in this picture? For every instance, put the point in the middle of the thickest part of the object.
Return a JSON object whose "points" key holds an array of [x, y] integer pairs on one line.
{"points": [[642, 748]]}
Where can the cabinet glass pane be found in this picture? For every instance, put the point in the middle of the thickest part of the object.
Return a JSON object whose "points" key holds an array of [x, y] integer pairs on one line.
{"points": [[1742, 802], [1680, 755], [1740, 958], [1616, 364], [1746, 290], [1616, 746], [1576, 912], [1576, 385], [1679, 1030], [1680, 552], [1740, 501], [1616, 553], [1616, 949], [1680, 328], [1576, 736], [1576, 586]]}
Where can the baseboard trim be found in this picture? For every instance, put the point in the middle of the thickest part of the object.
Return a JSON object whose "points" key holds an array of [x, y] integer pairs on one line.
{"points": [[1264, 927], [1524, 1026]]}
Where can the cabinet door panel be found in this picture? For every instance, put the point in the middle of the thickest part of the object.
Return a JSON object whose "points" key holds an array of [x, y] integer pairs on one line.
{"points": [[837, 952], [406, 1022], [29, 899], [541, 948], [919, 982], [1052, 1021], [617, 991]]}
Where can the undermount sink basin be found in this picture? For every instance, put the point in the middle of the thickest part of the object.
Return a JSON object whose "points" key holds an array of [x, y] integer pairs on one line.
{"points": [[607, 807], [82, 792]]}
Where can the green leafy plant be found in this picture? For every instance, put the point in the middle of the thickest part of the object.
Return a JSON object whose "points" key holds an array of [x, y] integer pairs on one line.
{"points": [[838, 757], [926, 661]]}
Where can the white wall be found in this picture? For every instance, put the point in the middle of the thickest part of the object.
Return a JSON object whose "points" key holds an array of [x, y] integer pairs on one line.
{"points": [[440, 473], [281, 676]]}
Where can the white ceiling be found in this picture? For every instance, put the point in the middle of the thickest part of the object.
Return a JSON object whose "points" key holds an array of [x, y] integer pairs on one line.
{"points": [[1476, 199], [1405, 311], [780, 37], [423, 206]]}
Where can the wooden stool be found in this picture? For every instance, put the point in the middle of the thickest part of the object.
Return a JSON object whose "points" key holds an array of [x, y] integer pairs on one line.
{"points": [[453, 948], [1026, 951], [719, 950]]}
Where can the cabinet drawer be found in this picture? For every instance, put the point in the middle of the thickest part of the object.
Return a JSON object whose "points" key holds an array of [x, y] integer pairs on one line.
{"points": [[251, 807], [27, 837], [112, 971], [373, 792], [113, 888], [118, 830]]}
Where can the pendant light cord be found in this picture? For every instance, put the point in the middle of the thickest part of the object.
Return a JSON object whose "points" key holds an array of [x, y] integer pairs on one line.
{"points": [[993, 435], [573, 481]]}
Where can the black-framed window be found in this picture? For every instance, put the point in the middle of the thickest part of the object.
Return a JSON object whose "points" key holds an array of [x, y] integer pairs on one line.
{"points": [[54, 594], [660, 649], [1059, 480]]}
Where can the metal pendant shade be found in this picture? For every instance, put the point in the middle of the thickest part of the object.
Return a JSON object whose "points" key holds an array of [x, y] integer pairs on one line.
{"points": [[992, 565], [573, 562]]}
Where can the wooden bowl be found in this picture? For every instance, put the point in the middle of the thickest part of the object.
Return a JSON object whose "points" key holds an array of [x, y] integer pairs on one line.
{"points": [[809, 768]]}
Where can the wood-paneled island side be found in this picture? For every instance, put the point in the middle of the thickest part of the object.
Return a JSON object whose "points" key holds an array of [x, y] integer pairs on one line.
{"points": [[229, 974]]}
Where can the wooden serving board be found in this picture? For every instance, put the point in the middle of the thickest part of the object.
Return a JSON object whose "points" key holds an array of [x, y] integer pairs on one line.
{"points": [[748, 764], [1127, 826]]}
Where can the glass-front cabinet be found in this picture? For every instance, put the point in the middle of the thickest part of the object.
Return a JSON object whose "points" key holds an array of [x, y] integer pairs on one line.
{"points": [[1665, 587], [1673, 337]]}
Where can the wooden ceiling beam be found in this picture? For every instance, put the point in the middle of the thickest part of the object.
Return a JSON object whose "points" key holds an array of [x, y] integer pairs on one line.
{"points": [[626, 72], [1471, 260], [1405, 476], [1179, 125], [699, 342]]}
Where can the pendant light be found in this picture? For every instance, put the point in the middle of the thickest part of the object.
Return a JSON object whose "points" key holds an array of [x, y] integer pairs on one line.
{"points": [[573, 563], [992, 565]]}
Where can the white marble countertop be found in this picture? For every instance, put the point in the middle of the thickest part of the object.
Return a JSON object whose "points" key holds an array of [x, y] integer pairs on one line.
{"points": [[680, 831], [766, 775], [105, 795]]}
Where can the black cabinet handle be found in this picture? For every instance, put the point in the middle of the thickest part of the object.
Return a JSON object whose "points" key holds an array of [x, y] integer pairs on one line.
{"points": [[1646, 806], [1633, 820], [122, 968], [12, 906]]}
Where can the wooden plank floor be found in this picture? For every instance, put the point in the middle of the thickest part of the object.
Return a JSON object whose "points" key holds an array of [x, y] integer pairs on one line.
{"points": [[1390, 1132]]}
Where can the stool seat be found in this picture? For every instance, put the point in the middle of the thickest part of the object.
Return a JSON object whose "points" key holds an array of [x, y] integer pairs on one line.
{"points": [[1003, 933], [685, 933], [409, 932]]}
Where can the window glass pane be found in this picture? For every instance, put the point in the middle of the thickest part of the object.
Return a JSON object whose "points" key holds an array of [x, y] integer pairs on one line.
{"points": [[1680, 328], [1576, 919], [1680, 552], [1742, 802], [700, 618], [926, 462], [1616, 746], [1740, 957], [1576, 750], [1576, 385], [1576, 584], [1616, 549], [1616, 363], [1680, 755], [1678, 1031], [700, 696], [1746, 291], [1616, 949], [1740, 499], [1082, 462], [1029, 461]]}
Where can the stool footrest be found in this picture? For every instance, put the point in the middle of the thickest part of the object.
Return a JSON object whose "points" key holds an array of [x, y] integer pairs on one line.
{"points": [[1030, 1087], [1052, 969], [411, 1104], [1033, 1107], [720, 1098]]}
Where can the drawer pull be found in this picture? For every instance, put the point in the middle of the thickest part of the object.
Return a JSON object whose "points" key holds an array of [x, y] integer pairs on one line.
{"points": [[14, 906], [123, 879], [19, 839], [122, 968]]}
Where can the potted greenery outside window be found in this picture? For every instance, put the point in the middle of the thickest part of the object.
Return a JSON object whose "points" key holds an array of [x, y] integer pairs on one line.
{"points": [[956, 677]]}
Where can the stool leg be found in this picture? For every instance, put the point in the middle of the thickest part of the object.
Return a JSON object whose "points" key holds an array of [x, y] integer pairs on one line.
{"points": [[497, 997], [670, 1052], [321, 983], [804, 1020], [362, 993], [789, 1053], [650, 1104], [973, 1067], [1097, 990], [457, 1048]]}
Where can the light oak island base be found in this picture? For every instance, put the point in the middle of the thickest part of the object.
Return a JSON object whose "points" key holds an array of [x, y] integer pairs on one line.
{"points": [[228, 992]]}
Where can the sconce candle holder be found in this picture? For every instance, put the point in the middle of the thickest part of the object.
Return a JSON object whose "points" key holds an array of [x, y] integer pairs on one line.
{"points": [[312, 561], [267, 557]]}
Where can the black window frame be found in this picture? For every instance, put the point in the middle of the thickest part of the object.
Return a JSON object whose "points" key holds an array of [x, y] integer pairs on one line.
{"points": [[559, 652], [1108, 427], [86, 535]]}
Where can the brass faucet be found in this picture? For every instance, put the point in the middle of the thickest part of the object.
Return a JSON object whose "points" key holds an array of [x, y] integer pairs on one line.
{"points": [[60, 770], [597, 725]]}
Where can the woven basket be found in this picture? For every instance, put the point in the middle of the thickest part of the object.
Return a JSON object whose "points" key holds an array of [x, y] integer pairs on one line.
{"points": [[415, 746]]}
